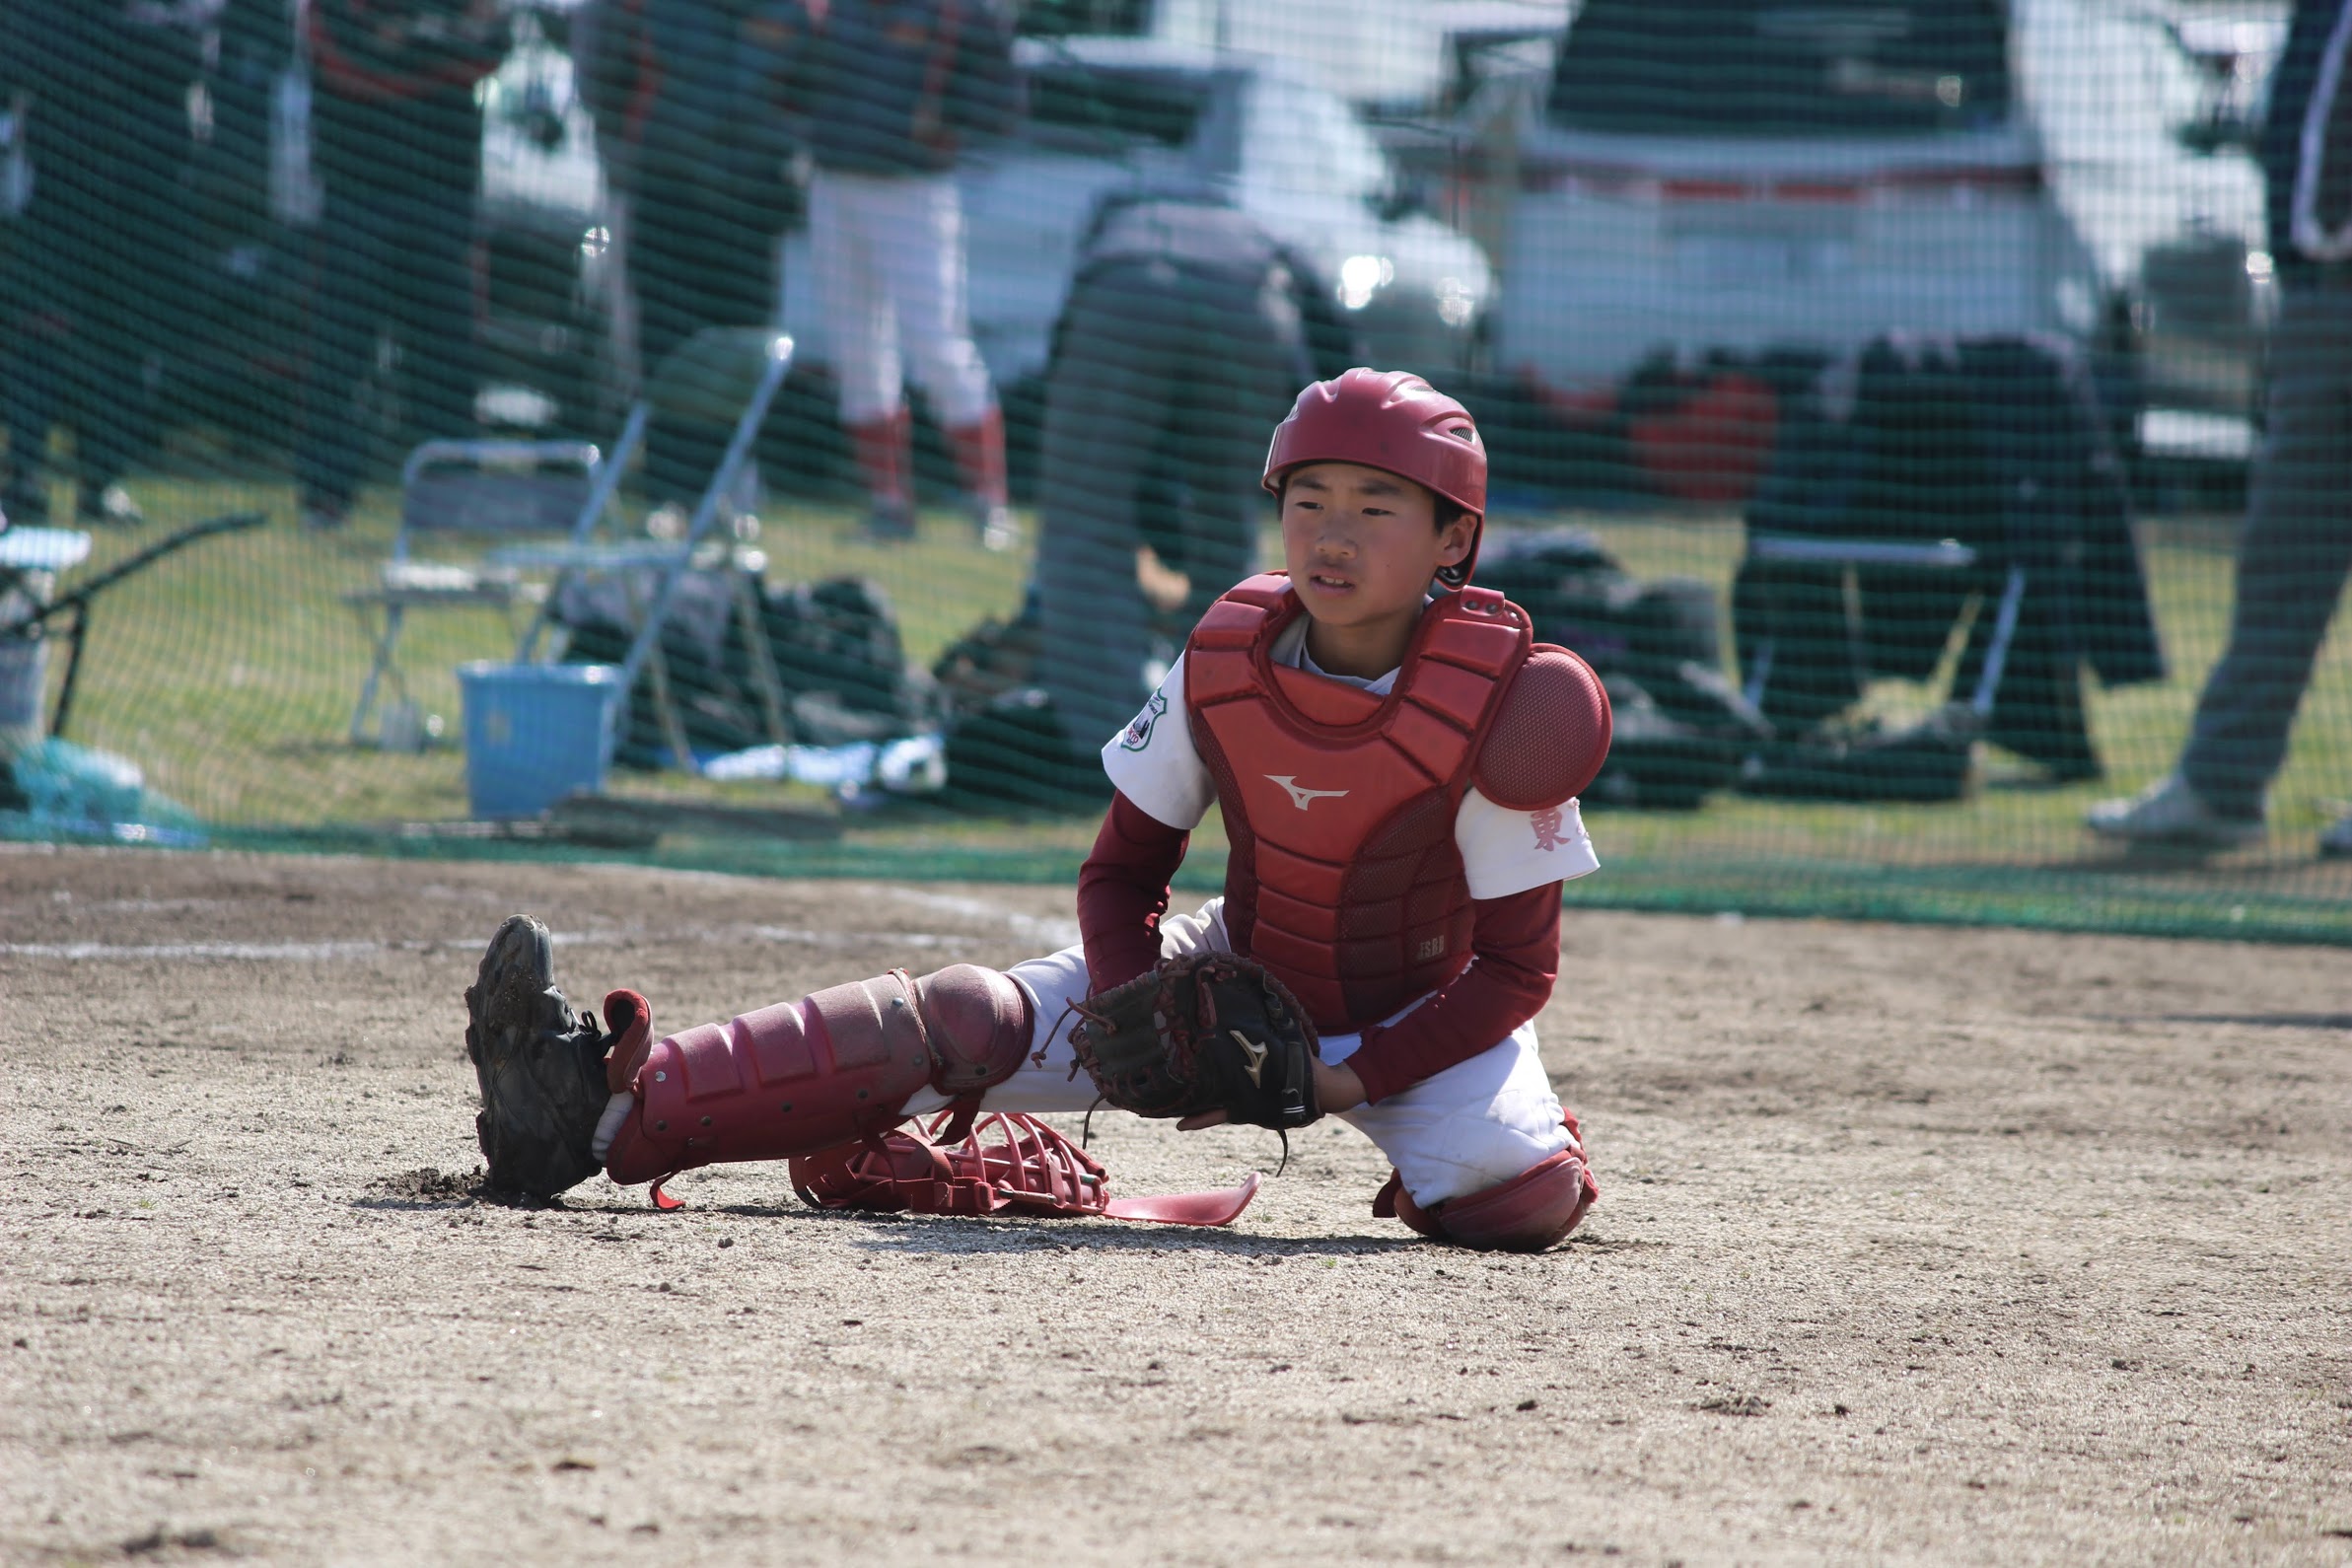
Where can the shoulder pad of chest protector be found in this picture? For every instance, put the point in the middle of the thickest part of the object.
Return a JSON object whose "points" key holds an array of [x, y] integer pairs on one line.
{"points": [[1549, 736]]}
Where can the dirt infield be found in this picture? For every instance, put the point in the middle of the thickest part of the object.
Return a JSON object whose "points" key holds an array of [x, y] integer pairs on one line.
{"points": [[1915, 1245]]}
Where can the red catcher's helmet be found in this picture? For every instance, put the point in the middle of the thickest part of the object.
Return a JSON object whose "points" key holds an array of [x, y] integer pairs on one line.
{"points": [[1394, 420]]}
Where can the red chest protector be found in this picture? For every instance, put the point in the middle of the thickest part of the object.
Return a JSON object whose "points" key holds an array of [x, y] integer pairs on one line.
{"points": [[1345, 879]]}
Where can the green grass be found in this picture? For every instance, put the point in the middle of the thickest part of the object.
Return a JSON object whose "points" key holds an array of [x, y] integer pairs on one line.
{"points": [[228, 673]]}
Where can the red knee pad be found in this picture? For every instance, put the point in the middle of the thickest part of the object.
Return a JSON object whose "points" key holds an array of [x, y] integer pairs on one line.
{"points": [[978, 1024], [1532, 1211]]}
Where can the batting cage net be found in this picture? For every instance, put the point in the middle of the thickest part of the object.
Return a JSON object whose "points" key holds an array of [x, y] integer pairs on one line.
{"points": [[795, 436]]}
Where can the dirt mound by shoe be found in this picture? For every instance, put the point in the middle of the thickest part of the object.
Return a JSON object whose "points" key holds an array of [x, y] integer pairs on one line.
{"points": [[425, 1185]]}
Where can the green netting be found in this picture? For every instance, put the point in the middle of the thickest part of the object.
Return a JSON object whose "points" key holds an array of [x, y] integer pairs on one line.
{"points": [[1827, 356]]}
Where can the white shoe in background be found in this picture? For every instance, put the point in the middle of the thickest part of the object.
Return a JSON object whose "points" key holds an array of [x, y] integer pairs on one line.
{"points": [[2168, 812], [998, 527]]}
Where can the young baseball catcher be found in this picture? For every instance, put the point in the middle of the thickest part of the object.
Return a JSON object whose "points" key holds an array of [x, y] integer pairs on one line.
{"points": [[1398, 764]]}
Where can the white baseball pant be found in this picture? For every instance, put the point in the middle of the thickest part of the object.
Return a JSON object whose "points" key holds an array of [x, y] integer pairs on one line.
{"points": [[1476, 1124], [889, 254]]}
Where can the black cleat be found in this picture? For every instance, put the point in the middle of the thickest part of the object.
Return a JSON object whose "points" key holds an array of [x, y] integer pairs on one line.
{"points": [[539, 1064]]}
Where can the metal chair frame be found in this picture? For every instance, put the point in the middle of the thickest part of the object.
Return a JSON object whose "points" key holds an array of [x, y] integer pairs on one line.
{"points": [[575, 551], [1850, 555], [669, 559], [404, 583]]}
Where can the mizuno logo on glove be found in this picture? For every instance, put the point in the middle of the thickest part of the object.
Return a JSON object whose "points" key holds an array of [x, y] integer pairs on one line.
{"points": [[1254, 1056]]}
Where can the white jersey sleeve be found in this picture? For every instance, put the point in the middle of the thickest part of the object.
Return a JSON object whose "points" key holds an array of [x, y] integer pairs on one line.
{"points": [[1153, 761], [1504, 852]]}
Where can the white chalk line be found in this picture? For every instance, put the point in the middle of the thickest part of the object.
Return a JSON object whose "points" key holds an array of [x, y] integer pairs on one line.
{"points": [[111, 952], [1057, 934], [345, 952]]}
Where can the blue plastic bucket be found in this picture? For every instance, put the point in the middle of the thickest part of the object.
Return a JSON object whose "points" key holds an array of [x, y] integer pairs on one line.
{"points": [[534, 733]]}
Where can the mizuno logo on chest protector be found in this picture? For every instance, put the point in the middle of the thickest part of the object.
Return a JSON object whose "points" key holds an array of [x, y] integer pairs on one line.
{"points": [[1299, 797]]}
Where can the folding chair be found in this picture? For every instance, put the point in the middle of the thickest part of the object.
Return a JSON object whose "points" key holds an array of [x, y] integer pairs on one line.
{"points": [[482, 489], [720, 375], [1848, 557]]}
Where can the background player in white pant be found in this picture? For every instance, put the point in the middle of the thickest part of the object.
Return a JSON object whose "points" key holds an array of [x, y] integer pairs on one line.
{"points": [[888, 88], [1396, 770]]}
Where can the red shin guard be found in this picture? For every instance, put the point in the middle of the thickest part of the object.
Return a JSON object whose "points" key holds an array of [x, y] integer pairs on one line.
{"points": [[1532, 1211], [884, 450], [835, 1066], [979, 450]]}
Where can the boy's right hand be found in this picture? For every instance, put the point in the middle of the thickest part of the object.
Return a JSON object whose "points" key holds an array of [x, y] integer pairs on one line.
{"points": [[1336, 1088]]}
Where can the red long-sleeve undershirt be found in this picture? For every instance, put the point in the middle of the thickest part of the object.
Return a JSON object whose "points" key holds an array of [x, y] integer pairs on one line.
{"points": [[1123, 892], [1515, 945]]}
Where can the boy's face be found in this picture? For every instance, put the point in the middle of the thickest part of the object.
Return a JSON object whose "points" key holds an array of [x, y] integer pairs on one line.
{"points": [[1362, 545]]}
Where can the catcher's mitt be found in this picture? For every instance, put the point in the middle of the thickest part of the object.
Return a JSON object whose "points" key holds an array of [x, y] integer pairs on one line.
{"points": [[1209, 1032], [540, 1065]]}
